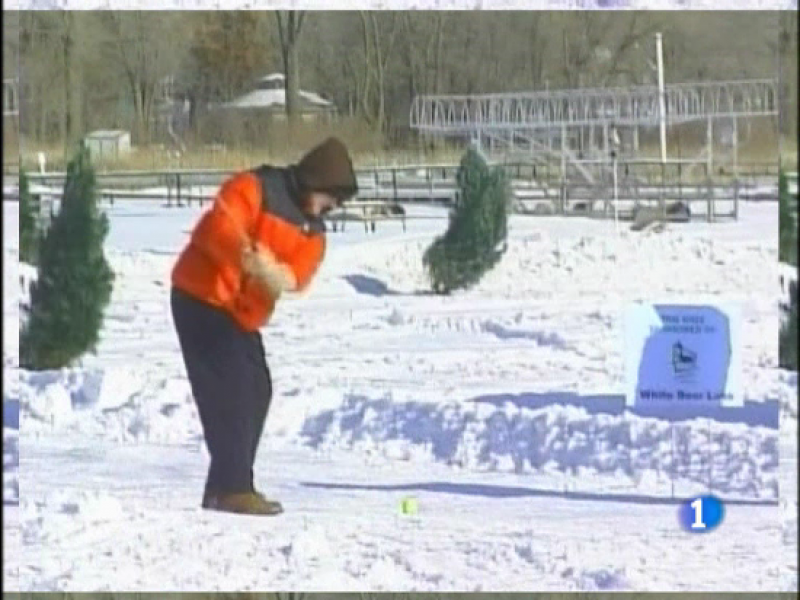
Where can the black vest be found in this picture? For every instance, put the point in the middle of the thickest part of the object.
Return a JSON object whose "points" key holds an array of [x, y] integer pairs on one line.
{"points": [[280, 196]]}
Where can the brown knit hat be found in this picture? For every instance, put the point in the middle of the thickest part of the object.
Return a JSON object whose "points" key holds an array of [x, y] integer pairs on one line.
{"points": [[328, 168]]}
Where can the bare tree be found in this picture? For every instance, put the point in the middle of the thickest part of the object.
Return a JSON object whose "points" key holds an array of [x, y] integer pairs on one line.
{"points": [[290, 24], [787, 56], [49, 57], [623, 58], [11, 35], [146, 46], [227, 49], [417, 42], [536, 47], [68, 41], [376, 58]]}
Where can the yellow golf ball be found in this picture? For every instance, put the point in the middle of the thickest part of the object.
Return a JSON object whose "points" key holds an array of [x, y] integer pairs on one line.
{"points": [[408, 506]]}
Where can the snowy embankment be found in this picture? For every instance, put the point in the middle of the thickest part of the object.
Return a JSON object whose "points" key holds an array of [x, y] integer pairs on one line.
{"points": [[424, 378], [16, 281], [518, 380], [484, 433]]}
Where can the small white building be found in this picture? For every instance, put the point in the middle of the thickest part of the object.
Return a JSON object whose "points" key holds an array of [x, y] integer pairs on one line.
{"points": [[269, 99], [108, 143]]}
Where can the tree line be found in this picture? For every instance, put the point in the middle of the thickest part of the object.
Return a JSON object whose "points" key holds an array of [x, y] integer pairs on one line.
{"points": [[81, 71]]}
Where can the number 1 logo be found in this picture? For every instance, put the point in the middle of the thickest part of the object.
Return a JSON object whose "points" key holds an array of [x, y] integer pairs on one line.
{"points": [[697, 505], [701, 514]]}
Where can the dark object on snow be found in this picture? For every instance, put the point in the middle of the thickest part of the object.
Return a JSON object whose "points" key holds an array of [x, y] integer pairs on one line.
{"points": [[679, 212], [645, 216], [231, 384], [30, 234], [396, 210], [787, 341], [787, 222]]}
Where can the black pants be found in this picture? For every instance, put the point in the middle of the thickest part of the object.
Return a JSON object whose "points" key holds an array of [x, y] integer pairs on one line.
{"points": [[231, 384]]}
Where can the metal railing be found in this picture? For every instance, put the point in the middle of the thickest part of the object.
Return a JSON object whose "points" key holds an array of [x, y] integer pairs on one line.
{"points": [[532, 183], [454, 114]]}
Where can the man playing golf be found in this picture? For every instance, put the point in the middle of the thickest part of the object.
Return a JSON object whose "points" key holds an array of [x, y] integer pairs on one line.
{"points": [[263, 236]]}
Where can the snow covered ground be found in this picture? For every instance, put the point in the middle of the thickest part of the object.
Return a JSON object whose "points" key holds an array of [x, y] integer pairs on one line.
{"points": [[499, 409]]}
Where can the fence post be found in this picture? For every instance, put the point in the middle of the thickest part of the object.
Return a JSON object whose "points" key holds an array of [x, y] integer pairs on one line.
{"points": [[710, 198], [168, 181], [36, 200]]}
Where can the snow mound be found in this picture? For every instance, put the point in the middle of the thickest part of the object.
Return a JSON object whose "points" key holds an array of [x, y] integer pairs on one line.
{"points": [[11, 416], [120, 403], [734, 459], [541, 264], [502, 328], [10, 467]]}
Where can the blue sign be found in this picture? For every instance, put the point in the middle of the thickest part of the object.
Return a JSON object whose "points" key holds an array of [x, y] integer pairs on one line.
{"points": [[701, 514], [682, 354]]}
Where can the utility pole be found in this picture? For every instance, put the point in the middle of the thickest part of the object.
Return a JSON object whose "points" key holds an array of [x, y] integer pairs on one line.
{"points": [[662, 118], [662, 109]]}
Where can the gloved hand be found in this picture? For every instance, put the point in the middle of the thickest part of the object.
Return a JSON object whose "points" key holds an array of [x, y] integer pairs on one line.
{"points": [[260, 263]]}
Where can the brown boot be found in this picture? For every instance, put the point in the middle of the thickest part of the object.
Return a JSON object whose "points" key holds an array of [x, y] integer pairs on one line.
{"points": [[244, 503], [273, 504]]}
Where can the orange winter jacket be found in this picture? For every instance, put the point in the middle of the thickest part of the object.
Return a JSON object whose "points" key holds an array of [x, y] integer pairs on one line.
{"points": [[258, 205]]}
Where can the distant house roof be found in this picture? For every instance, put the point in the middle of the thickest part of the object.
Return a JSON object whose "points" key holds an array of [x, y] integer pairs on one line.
{"points": [[274, 77], [271, 92], [106, 134]]}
